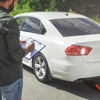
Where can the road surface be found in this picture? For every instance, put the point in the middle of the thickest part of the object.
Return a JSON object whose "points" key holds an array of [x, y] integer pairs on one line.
{"points": [[56, 90]]}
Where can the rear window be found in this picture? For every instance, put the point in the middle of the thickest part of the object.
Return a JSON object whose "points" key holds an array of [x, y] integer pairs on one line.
{"points": [[76, 26]]}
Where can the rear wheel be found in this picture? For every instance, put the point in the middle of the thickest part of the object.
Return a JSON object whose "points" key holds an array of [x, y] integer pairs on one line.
{"points": [[41, 69]]}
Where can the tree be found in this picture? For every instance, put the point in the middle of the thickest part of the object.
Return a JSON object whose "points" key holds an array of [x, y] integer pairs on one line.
{"points": [[89, 8], [53, 4]]}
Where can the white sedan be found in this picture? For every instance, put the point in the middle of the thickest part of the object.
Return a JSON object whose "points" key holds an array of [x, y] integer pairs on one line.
{"points": [[72, 42]]}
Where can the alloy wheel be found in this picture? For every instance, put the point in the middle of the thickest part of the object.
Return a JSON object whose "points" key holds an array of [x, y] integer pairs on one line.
{"points": [[40, 68]]}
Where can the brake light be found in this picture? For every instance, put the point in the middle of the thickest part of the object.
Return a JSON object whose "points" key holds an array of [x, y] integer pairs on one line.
{"points": [[75, 50]]}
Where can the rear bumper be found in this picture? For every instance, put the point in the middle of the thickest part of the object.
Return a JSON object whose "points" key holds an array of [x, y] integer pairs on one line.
{"points": [[72, 71]]}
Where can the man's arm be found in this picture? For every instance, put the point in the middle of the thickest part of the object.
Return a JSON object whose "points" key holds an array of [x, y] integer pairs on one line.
{"points": [[11, 33]]}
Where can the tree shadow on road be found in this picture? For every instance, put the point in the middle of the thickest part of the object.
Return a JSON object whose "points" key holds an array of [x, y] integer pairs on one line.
{"points": [[86, 90]]}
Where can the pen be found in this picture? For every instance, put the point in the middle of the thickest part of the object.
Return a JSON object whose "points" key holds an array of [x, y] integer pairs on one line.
{"points": [[36, 41], [32, 41]]}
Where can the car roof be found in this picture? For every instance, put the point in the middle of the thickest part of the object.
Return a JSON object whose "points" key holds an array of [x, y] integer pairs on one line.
{"points": [[52, 15]]}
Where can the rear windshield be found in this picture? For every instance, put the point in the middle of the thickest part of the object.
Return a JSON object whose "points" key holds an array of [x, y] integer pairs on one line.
{"points": [[76, 26]]}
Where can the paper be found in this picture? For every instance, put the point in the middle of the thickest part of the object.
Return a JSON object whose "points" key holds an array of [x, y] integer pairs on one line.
{"points": [[38, 47]]}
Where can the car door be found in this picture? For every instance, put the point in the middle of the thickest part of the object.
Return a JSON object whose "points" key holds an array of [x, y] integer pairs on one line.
{"points": [[30, 27]]}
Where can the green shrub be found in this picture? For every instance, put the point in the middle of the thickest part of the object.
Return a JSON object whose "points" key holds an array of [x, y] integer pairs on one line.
{"points": [[85, 7], [96, 18], [70, 10]]}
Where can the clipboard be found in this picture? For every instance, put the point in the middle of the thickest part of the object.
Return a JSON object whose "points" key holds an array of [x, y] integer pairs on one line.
{"points": [[38, 47]]}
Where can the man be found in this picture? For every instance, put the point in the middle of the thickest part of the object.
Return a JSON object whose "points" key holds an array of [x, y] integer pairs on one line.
{"points": [[11, 53]]}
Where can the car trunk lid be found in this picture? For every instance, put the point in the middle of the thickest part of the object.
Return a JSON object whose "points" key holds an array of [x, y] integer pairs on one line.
{"points": [[92, 41]]}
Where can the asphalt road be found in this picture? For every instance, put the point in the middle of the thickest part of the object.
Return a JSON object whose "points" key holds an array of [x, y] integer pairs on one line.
{"points": [[57, 90]]}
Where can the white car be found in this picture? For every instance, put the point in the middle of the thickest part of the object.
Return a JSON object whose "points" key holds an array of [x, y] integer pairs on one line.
{"points": [[72, 42]]}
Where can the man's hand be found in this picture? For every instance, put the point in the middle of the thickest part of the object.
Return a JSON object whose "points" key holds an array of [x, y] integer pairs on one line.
{"points": [[29, 48]]}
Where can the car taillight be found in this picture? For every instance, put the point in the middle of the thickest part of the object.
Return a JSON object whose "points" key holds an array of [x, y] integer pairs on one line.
{"points": [[75, 50]]}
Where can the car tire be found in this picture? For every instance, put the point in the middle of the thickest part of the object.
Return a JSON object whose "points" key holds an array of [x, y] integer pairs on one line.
{"points": [[41, 69]]}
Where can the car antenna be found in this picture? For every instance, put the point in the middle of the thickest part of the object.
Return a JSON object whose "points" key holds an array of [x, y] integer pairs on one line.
{"points": [[67, 14]]}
